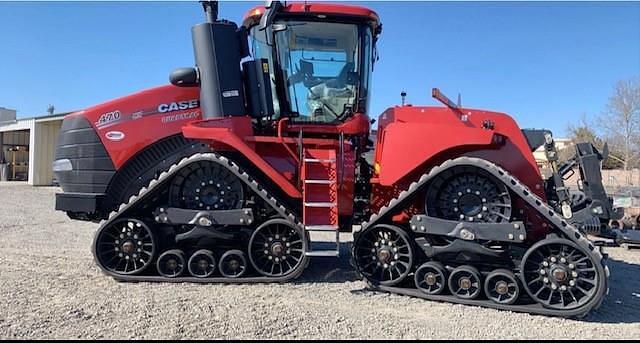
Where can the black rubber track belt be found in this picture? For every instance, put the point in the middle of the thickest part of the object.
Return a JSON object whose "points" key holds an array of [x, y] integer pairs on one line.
{"points": [[568, 231], [155, 184]]}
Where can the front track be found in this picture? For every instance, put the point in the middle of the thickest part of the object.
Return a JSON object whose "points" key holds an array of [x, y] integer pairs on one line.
{"points": [[156, 186]]}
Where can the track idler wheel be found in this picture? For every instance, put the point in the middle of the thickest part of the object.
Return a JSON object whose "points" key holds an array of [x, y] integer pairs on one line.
{"points": [[233, 264], [560, 275], [465, 282], [202, 263], [431, 278], [277, 248], [384, 254], [125, 247], [501, 287], [171, 263]]}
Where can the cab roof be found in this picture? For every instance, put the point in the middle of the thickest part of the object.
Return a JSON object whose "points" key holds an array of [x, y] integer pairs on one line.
{"points": [[252, 17]]}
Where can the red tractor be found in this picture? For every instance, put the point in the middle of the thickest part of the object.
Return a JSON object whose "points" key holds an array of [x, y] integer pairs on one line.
{"points": [[228, 174]]}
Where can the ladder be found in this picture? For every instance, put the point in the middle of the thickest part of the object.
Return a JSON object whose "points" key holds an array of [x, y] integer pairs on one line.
{"points": [[319, 177]]}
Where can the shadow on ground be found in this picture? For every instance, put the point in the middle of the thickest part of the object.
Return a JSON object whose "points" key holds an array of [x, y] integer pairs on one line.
{"points": [[622, 305], [329, 269]]}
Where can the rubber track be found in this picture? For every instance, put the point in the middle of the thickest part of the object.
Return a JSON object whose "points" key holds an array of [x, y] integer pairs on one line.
{"points": [[164, 177], [570, 232]]}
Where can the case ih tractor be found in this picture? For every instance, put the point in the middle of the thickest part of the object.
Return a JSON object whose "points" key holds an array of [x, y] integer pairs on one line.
{"points": [[230, 173]]}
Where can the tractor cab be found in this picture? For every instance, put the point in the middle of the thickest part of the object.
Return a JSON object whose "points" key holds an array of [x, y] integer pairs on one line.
{"points": [[320, 58]]}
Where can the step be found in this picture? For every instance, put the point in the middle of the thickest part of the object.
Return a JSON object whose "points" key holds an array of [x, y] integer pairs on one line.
{"points": [[319, 182], [320, 204], [321, 228], [320, 160], [323, 253]]}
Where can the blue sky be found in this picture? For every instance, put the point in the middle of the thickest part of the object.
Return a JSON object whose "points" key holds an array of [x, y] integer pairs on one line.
{"points": [[546, 64]]}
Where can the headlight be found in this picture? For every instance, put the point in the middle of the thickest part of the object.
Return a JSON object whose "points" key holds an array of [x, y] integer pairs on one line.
{"points": [[62, 165]]}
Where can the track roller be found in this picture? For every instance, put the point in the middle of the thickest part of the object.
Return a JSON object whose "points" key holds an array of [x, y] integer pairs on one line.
{"points": [[465, 282], [202, 263], [233, 264], [171, 263], [501, 287], [431, 278]]}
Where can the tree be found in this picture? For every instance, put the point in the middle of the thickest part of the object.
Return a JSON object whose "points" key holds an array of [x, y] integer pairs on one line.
{"points": [[583, 132], [621, 122]]}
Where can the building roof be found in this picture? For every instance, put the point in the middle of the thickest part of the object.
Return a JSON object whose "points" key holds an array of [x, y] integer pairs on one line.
{"points": [[55, 116]]}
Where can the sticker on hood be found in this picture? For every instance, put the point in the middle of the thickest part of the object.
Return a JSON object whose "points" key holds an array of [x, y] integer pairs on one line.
{"points": [[114, 136], [108, 118]]}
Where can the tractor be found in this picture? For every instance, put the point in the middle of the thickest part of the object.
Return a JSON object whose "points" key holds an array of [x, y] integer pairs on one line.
{"points": [[231, 172]]}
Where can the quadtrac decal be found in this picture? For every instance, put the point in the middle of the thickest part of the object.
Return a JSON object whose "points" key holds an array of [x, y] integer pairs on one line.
{"points": [[180, 116]]}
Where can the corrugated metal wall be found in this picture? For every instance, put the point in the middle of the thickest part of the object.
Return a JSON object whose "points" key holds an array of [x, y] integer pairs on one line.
{"points": [[15, 153], [39, 135], [43, 144]]}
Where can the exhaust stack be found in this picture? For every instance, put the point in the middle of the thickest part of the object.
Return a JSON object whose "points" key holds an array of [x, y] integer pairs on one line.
{"points": [[218, 50]]}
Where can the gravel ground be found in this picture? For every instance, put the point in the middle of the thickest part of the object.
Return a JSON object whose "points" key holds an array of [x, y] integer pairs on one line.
{"points": [[50, 288]]}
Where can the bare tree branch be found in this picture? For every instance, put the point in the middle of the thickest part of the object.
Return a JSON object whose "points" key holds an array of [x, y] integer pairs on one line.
{"points": [[621, 121]]}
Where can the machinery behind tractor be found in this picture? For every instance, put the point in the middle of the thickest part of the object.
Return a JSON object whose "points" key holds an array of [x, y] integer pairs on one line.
{"points": [[229, 174]]}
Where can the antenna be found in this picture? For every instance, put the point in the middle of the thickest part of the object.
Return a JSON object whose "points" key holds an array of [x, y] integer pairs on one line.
{"points": [[51, 109]]}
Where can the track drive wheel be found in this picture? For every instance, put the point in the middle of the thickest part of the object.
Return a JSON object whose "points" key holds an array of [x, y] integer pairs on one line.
{"points": [[501, 287], [560, 275], [233, 264], [431, 278], [277, 248], [171, 263], [125, 247], [202, 263], [465, 282], [206, 185], [470, 194], [384, 254]]}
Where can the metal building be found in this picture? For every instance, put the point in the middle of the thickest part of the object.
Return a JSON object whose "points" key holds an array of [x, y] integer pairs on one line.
{"points": [[27, 147]]}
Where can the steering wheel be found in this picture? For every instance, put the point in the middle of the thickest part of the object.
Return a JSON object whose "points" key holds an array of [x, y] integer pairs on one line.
{"points": [[305, 77]]}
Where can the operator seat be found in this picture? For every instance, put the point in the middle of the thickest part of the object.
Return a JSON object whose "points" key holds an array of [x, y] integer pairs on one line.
{"points": [[334, 92]]}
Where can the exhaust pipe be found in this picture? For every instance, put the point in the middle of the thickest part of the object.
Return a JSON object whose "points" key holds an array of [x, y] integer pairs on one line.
{"points": [[218, 48]]}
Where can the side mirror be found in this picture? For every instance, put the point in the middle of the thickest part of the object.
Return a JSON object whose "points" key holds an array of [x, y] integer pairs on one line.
{"points": [[184, 77]]}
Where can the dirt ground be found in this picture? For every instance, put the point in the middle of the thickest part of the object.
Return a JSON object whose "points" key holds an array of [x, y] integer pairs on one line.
{"points": [[50, 288]]}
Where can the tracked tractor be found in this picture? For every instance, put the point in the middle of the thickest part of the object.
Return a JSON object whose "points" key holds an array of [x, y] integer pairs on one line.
{"points": [[230, 173]]}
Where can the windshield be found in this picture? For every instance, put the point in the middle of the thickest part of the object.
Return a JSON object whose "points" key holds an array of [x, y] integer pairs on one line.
{"points": [[320, 66], [321, 70]]}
